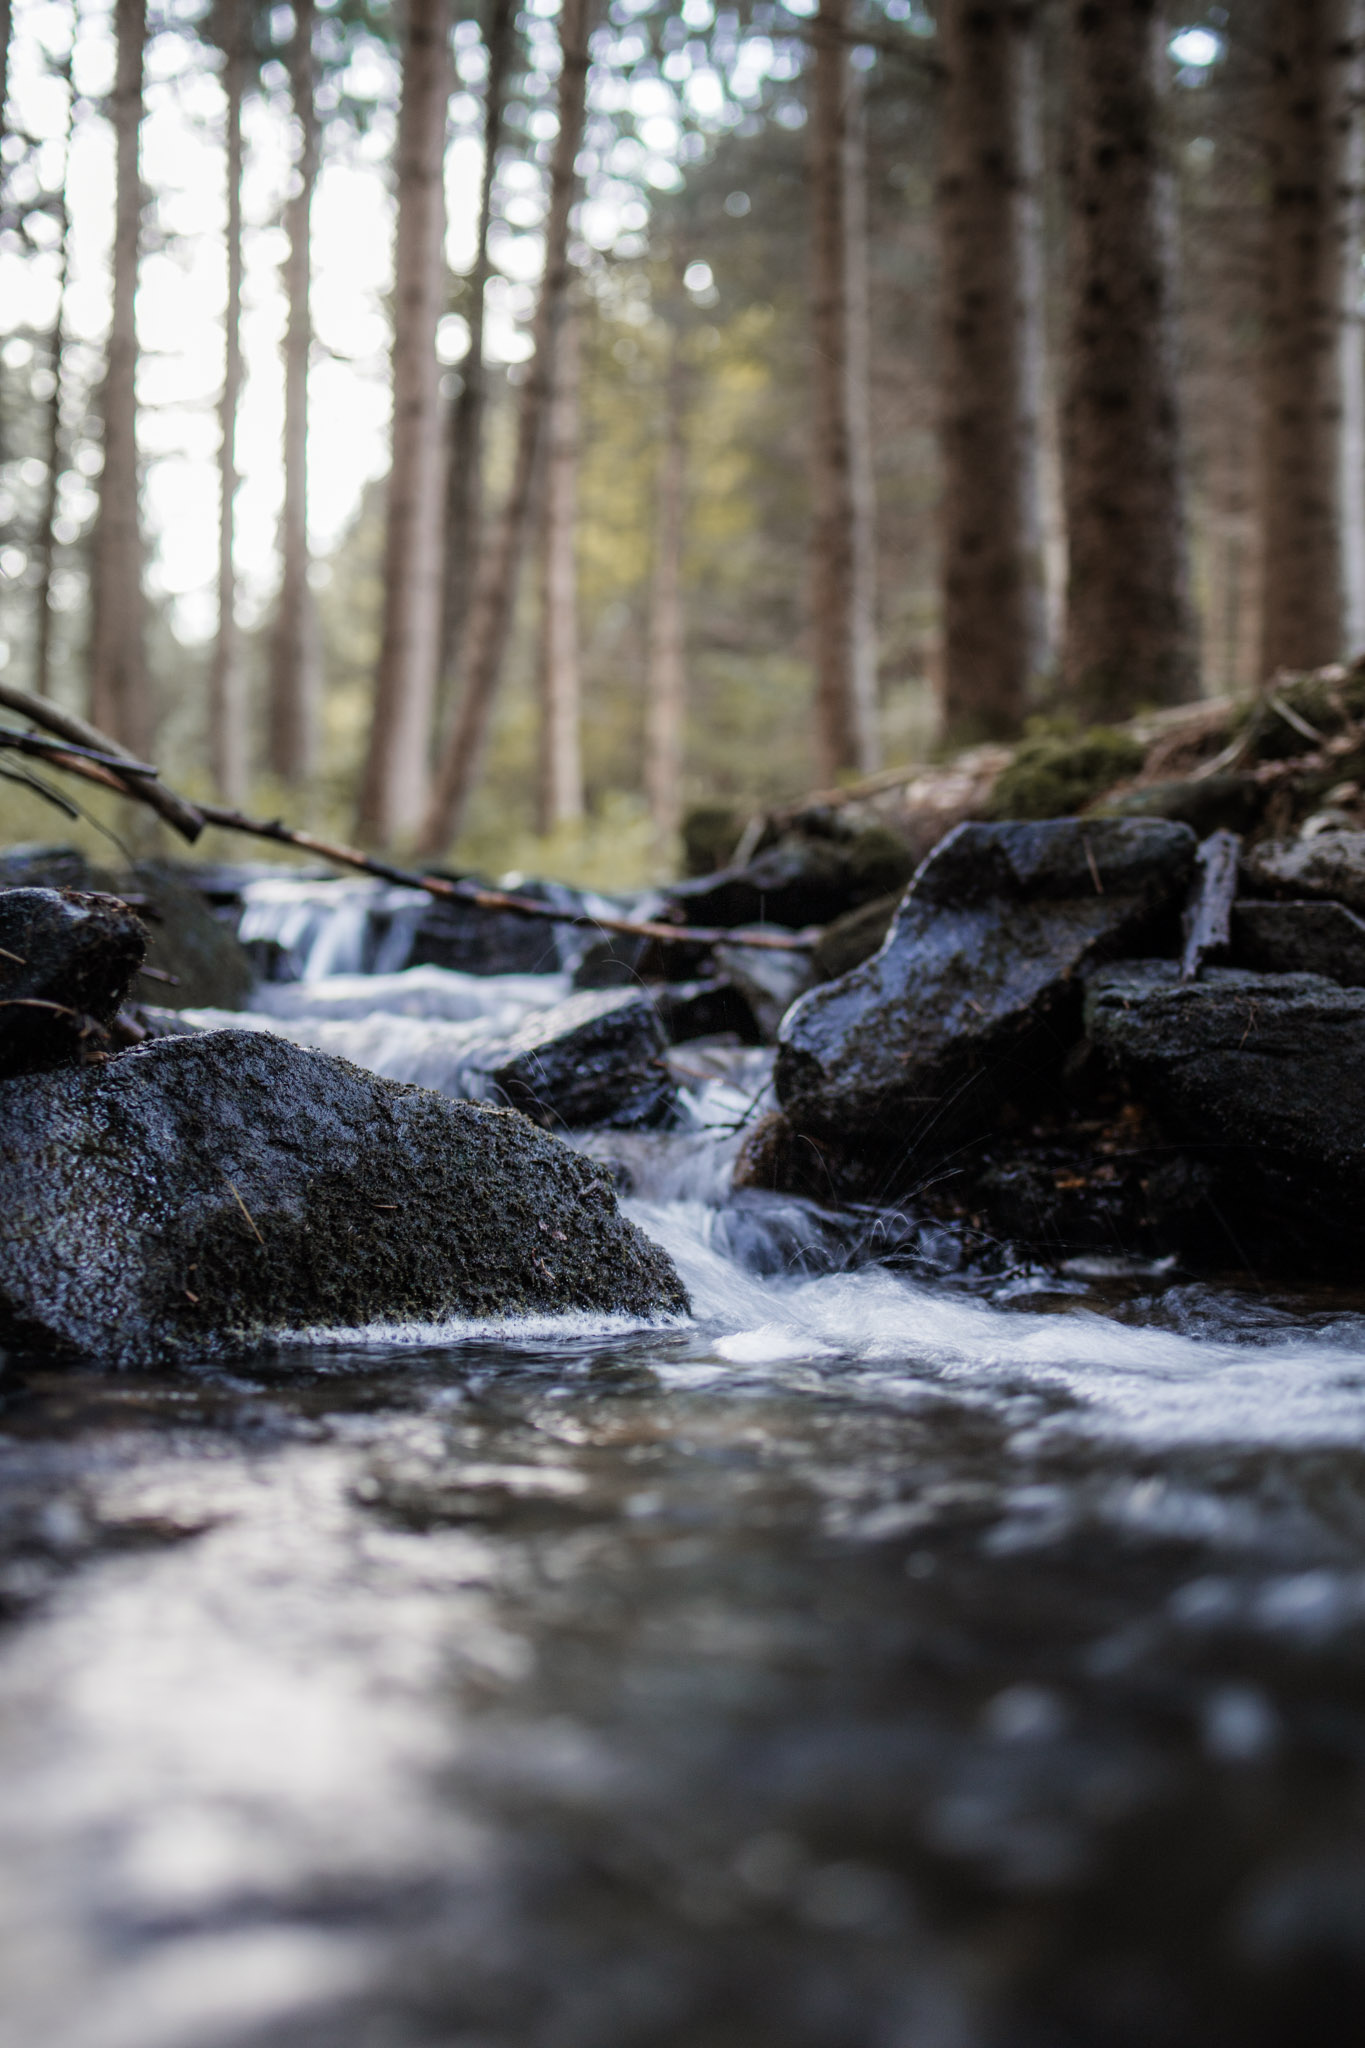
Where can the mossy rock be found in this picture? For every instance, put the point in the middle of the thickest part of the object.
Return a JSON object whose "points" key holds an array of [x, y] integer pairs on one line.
{"points": [[1054, 775], [1326, 700]]}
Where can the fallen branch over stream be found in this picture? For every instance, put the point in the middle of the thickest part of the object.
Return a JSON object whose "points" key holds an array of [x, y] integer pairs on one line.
{"points": [[94, 757]]}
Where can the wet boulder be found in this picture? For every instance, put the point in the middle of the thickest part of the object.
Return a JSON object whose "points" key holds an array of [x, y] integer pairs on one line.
{"points": [[594, 1061], [975, 993], [1266, 1072], [66, 963], [208, 1192], [1314, 937]]}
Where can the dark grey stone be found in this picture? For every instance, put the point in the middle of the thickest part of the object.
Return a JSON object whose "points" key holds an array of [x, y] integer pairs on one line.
{"points": [[816, 872], [1300, 938], [1332, 864], [202, 1192], [703, 1009], [66, 963], [1274, 1063], [976, 991], [594, 1060]]}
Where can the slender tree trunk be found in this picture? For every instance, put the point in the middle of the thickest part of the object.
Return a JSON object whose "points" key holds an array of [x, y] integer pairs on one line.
{"points": [[1129, 630], [1311, 331], [666, 679], [6, 25], [561, 753], [861, 467], [841, 540], [394, 788], [295, 660], [227, 695], [464, 473], [47, 540], [491, 607], [120, 693], [994, 616]]}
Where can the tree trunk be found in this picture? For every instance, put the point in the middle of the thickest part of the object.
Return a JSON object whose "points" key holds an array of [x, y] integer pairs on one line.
{"points": [[666, 679], [1129, 632], [47, 541], [295, 679], [464, 473], [227, 697], [6, 24], [1311, 331], [841, 539], [561, 754], [120, 694], [993, 581], [490, 613], [394, 787]]}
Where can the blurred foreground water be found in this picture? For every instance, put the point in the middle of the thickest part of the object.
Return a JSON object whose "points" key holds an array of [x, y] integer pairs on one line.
{"points": [[892, 1657]]}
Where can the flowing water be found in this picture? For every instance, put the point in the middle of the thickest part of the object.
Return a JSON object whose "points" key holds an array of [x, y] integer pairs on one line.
{"points": [[895, 1655]]}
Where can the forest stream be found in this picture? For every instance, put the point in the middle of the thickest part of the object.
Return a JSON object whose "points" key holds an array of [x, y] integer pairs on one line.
{"points": [[892, 1655]]}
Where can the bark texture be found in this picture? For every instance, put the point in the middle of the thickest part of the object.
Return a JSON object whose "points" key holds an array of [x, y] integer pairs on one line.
{"points": [[1312, 350], [666, 679], [993, 579], [228, 726], [120, 694], [841, 539], [394, 786], [53, 450], [1129, 629], [464, 473], [560, 794], [490, 616], [295, 664]]}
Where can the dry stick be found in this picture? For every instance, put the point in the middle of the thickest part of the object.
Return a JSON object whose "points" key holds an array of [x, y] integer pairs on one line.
{"points": [[93, 770], [1208, 920]]}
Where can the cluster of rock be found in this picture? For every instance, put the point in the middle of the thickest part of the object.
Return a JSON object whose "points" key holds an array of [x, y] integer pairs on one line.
{"points": [[207, 1190], [1027, 1053]]}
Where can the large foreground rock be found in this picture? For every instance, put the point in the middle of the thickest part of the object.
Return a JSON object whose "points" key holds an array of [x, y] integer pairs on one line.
{"points": [[1265, 1073], [203, 1192], [66, 963], [975, 991]]}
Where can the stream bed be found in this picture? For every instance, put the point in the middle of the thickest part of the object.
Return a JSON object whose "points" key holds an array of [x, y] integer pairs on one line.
{"points": [[892, 1656]]}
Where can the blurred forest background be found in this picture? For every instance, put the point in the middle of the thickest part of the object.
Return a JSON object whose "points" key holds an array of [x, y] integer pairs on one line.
{"points": [[701, 403]]}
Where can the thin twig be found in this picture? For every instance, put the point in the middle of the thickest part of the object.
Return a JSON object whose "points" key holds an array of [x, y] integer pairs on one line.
{"points": [[93, 770]]}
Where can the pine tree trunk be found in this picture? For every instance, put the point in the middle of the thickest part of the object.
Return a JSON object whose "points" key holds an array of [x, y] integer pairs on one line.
{"points": [[120, 694], [1129, 631], [994, 616], [666, 678], [490, 612], [561, 754], [841, 540], [394, 786], [47, 539], [1311, 332], [295, 660], [464, 473], [227, 695], [6, 25]]}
